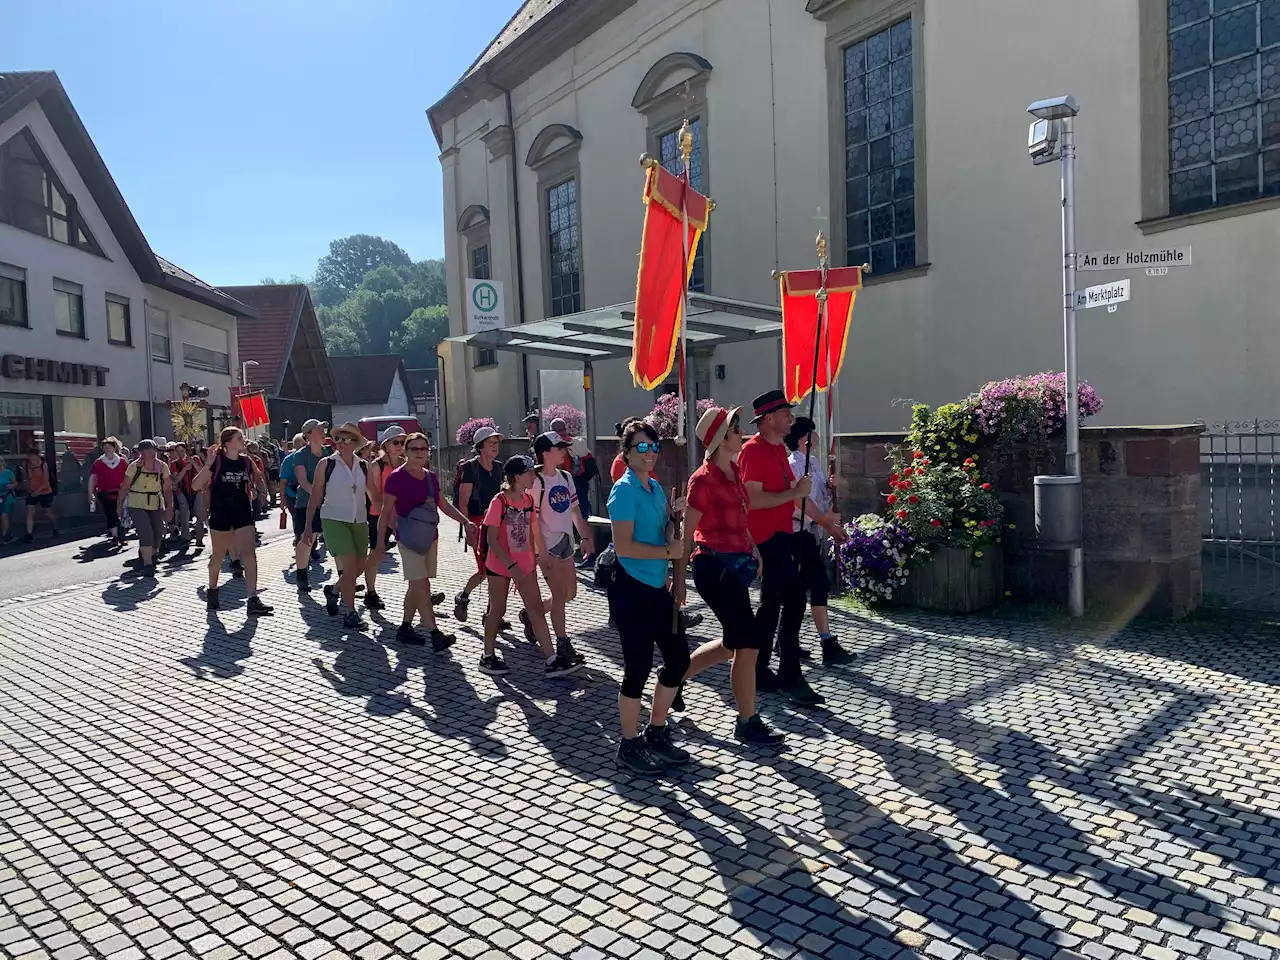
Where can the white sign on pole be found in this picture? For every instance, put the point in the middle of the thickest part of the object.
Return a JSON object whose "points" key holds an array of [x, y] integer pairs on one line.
{"points": [[485, 308], [1103, 295], [1132, 259]]}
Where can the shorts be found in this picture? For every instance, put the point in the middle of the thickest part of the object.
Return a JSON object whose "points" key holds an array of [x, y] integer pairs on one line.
{"points": [[418, 566], [345, 539], [562, 549], [480, 532], [6, 504], [729, 600], [224, 521], [300, 521], [44, 501], [373, 536]]}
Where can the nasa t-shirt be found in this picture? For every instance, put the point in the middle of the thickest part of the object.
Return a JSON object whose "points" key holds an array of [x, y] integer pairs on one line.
{"points": [[554, 498]]}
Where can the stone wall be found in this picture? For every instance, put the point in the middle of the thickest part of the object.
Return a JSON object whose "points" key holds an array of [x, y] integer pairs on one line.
{"points": [[1141, 490]]}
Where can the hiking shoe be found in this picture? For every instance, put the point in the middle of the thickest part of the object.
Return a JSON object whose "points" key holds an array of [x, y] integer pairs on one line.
{"points": [[756, 730], [561, 667], [660, 744], [691, 620], [804, 695], [331, 600], [636, 756], [834, 655], [766, 681], [494, 665], [374, 602], [257, 608], [440, 640], [211, 599], [564, 647], [353, 620], [304, 582], [459, 607], [528, 626], [237, 569], [437, 598], [409, 636]]}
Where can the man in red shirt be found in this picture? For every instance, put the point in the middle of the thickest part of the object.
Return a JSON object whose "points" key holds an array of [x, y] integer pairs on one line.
{"points": [[773, 492]]}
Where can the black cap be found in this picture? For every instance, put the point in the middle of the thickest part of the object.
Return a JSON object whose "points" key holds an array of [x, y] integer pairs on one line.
{"points": [[532, 418], [146, 444], [545, 441], [516, 465]]}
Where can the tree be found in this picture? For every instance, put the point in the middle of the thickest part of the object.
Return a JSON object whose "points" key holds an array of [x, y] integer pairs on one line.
{"points": [[273, 282], [417, 338], [340, 271]]}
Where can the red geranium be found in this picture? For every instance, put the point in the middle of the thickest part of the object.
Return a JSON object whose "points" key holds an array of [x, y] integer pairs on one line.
{"points": [[920, 471], [936, 523], [892, 498], [901, 514], [893, 478], [918, 455], [913, 499], [986, 486], [905, 485]]}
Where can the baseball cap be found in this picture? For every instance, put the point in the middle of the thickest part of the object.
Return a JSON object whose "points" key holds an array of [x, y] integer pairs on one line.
{"points": [[559, 426], [311, 425], [516, 465], [395, 430], [145, 444], [545, 441], [483, 434]]}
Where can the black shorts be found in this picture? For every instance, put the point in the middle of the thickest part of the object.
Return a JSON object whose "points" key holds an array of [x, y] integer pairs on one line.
{"points": [[729, 600], [235, 518], [373, 535], [300, 520], [44, 501]]}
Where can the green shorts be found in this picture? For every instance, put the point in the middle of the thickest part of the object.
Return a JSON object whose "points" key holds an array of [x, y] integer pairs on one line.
{"points": [[346, 539]]}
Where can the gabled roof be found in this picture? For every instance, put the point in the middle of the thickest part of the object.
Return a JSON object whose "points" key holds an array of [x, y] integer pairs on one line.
{"points": [[368, 379], [17, 89], [422, 380], [285, 329], [524, 19]]}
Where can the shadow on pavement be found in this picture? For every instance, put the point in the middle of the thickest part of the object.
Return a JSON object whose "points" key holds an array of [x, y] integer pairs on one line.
{"points": [[223, 654]]}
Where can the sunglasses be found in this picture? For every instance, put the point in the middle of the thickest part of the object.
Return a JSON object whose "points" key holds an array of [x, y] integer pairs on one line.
{"points": [[645, 446], [396, 443], [346, 440], [418, 449]]}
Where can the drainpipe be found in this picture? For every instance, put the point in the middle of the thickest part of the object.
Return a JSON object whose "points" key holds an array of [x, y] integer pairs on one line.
{"points": [[146, 352], [442, 423], [515, 207]]}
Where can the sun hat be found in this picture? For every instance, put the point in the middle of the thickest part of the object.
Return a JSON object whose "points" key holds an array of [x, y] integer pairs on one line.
{"points": [[768, 403], [483, 434], [395, 430], [713, 427], [348, 429]]}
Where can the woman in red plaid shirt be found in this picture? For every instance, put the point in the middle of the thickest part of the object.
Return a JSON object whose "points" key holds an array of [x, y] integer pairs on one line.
{"points": [[725, 563]]}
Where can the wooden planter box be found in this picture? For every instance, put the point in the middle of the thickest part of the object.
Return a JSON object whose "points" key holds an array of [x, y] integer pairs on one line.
{"points": [[952, 581]]}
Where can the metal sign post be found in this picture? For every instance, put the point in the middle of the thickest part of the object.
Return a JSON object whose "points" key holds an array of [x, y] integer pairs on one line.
{"points": [[1075, 556]]}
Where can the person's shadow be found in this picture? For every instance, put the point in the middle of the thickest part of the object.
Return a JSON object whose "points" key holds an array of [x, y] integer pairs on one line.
{"points": [[363, 668], [454, 708], [124, 596], [223, 654]]}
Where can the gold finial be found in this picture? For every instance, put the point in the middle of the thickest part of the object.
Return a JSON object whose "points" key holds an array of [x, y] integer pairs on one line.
{"points": [[821, 244], [686, 141]]}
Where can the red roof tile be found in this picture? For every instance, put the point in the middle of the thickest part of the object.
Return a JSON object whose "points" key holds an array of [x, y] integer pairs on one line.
{"points": [[267, 339], [366, 379]]}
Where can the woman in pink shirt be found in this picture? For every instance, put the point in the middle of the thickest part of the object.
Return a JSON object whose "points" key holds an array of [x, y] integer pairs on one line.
{"points": [[105, 478]]}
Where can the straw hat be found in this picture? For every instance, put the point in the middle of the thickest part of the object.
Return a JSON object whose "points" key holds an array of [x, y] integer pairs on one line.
{"points": [[348, 429], [713, 427]]}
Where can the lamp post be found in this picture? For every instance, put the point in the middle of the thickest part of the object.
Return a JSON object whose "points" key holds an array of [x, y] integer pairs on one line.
{"points": [[1052, 138], [244, 371]]}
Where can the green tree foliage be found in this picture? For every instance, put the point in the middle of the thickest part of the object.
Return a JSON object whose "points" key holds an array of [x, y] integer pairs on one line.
{"points": [[417, 338], [341, 270], [273, 282]]}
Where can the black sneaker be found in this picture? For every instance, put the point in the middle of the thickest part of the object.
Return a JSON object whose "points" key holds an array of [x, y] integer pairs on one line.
{"points": [[494, 665], [560, 667], [756, 730], [659, 742], [459, 607], [691, 620], [437, 598], [331, 600], [26, 538], [304, 582], [257, 608], [804, 695], [528, 626], [373, 601], [237, 569], [834, 655], [211, 599], [564, 647], [677, 705], [440, 640], [766, 681], [409, 636], [353, 620], [636, 756]]}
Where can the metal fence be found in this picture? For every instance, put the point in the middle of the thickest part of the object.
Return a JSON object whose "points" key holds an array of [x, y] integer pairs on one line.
{"points": [[1241, 563]]}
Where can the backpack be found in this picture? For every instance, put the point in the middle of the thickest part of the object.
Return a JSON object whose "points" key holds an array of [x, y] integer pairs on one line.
{"points": [[542, 490], [330, 463], [482, 544], [459, 473]]}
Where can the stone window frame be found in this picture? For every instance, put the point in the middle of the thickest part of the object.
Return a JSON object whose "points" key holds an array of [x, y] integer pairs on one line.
{"points": [[665, 106], [553, 165], [473, 227], [847, 22], [1153, 87]]}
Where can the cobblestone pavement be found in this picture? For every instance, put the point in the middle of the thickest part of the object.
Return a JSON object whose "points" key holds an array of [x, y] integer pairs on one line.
{"points": [[176, 786]]}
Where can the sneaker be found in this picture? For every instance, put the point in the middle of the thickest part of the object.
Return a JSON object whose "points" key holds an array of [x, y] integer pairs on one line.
{"points": [[494, 665], [834, 655], [805, 654], [373, 601], [304, 582], [561, 667], [353, 620], [564, 647], [677, 705], [409, 636], [804, 695], [756, 730], [440, 640], [211, 599], [587, 563], [7, 539], [528, 626], [26, 538], [766, 681], [148, 570], [691, 620], [636, 756], [460, 603], [659, 742], [237, 569], [331, 600], [257, 608], [437, 599]]}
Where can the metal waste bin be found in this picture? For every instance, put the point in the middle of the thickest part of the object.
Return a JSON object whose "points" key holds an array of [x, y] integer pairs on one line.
{"points": [[1058, 517]]}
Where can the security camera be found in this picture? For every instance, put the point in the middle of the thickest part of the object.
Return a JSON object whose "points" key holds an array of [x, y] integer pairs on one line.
{"points": [[1042, 139]]}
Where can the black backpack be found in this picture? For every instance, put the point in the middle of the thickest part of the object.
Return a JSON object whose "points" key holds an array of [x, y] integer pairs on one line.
{"points": [[329, 464]]}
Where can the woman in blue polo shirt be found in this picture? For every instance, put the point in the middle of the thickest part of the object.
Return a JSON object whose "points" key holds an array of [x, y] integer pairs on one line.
{"points": [[643, 608]]}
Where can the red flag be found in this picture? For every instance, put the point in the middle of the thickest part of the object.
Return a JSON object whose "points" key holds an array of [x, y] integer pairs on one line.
{"points": [[799, 289], [662, 277], [249, 406]]}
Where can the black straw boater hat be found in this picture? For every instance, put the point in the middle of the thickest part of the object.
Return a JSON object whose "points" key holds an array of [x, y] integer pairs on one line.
{"points": [[767, 403]]}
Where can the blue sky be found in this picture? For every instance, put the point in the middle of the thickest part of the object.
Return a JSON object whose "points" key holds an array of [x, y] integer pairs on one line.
{"points": [[247, 134]]}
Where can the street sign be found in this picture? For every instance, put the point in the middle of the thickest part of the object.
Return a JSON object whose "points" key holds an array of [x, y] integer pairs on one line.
{"points": [[1157, 271], [485, 307], [1103, 295], [1132, 259]]}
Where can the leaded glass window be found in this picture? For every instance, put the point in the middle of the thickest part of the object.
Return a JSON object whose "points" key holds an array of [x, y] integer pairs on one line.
{"points": [[1224, 102], [669, 156], [563, 252], [880, 151]]}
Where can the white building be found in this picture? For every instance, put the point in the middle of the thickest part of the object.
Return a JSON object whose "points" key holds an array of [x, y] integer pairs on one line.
{"points": [[375, 385], [904, 122], [96, 331]]}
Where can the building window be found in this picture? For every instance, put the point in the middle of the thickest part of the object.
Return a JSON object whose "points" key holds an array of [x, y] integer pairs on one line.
{"points": [[119, 322], [669, 157], [563, 250], [21, 427], [480, 262], [880, 151], [68, 308], [13, 296], [1224, 102], [75, 440], [202, 358], [160, 350], [32, 198], [122, 419]]}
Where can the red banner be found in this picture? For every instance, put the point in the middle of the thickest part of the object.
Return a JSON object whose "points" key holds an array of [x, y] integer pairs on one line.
{"points": [[664, 272], [249, 408], [799, 289]]}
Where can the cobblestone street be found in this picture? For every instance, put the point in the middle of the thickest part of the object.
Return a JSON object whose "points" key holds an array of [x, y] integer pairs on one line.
{"points": [[172, 785]]}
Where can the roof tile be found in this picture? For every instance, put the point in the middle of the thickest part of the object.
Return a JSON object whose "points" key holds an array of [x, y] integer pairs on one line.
{"points": [[267, 338], [364, 379]]}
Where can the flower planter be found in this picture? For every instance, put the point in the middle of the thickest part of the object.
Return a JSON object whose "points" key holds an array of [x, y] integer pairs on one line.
{"points": [[952, 580]]}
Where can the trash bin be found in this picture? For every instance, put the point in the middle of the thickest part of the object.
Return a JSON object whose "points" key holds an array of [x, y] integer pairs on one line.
{"points": [[1058, 516]]}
